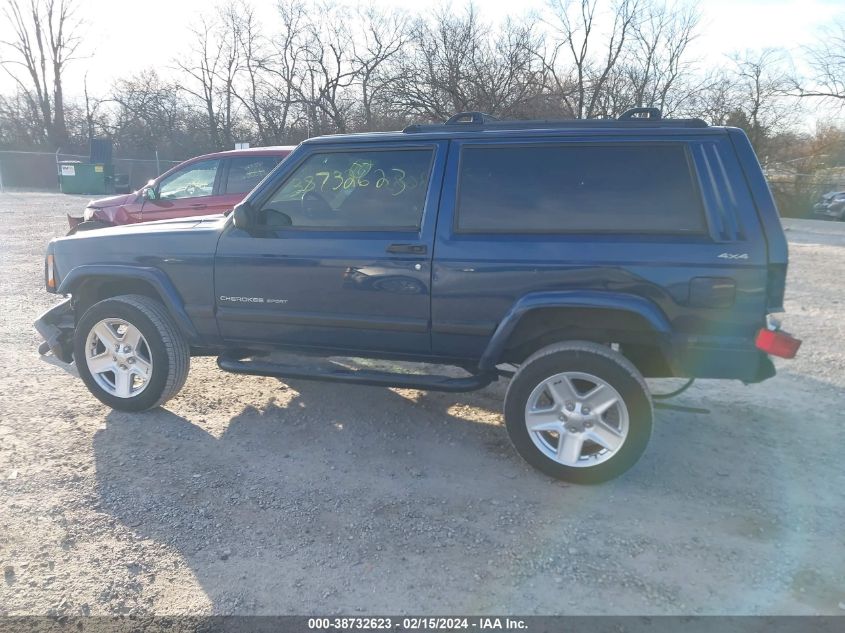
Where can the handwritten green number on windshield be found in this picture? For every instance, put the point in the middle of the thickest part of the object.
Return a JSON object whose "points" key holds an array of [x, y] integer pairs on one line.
{"points": [[366, 167], [400, 180], [359, 174], [382, 180], [338, 178], [325, 176]]}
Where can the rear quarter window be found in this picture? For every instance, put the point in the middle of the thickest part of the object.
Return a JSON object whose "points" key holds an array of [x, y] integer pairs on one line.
{"points": [[643, 188], [247, 171]]}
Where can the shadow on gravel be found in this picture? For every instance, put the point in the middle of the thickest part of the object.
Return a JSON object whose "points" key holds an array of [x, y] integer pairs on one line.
{"points": [[333, 494], [346, 496]]}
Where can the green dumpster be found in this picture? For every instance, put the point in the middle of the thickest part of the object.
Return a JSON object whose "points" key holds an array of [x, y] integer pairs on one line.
{"points": [[85, 178]]}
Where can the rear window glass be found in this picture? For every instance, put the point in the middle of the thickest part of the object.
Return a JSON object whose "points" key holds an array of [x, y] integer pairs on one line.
{"points": [[571, 188], [247, 171]]}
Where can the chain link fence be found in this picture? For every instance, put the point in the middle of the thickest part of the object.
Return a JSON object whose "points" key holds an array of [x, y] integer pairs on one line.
{"points": [[795, 192], [39, 170]]}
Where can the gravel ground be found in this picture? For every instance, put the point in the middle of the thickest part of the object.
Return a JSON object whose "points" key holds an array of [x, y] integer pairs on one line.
{"points": [[246, 495]]}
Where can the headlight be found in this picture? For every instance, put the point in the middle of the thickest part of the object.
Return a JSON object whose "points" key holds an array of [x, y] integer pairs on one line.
{"points": [[50, 273], [88, 214], [839, 197]]}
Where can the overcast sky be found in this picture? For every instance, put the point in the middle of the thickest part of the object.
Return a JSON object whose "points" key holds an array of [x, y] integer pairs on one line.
{"points": [[125, 37]]}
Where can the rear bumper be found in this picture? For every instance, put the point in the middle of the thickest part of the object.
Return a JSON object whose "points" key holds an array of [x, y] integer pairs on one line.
{"points": [[737, 362], [56, 327]]}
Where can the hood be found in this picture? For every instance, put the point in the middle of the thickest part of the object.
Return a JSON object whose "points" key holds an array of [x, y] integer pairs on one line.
{"points": [[163, 245], [138, 229], [113, 201]]}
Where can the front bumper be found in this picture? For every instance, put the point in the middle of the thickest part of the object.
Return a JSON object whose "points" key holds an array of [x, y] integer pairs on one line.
{"points": [[835, 210], [74, 221], [56, 327]]}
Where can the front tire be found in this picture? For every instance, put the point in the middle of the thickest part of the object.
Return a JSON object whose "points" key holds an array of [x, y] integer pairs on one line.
{"points": [[579, 411], [130, 354]]}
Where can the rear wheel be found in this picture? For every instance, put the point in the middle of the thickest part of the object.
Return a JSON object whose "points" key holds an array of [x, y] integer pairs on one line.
{"points": [[130, 354], [579, 411]]}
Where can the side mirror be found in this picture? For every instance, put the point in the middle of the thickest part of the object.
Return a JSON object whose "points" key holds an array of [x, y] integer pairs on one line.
{"points": [[149, 192], [243, 216]]}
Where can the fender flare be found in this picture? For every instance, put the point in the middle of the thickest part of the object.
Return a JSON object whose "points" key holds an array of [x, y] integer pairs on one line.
{"points": [[156, 278], [621, 301]]}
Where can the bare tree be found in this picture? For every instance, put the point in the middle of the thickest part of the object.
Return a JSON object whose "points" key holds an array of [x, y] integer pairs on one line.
{"points": [[254, 60], [457, 63], [582, 57], [19, 127], [213, 65], [659, 61], [383, 37], [760, 84], [331, 69], [230, 34], [716, 99], [92, 108], [275, 69], [432, 78], [46, 39], [511, 79], [152, 113], [826, 62]]}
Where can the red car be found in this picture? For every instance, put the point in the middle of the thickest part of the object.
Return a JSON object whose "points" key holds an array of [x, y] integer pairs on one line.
{"points": [[205, 185]]}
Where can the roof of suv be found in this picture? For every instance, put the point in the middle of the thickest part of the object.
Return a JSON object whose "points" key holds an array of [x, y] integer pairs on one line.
{"points": [[478, 124], [273, 150]]}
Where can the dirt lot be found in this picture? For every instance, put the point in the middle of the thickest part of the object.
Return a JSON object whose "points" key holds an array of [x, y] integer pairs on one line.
{"points": [[246, 495]]}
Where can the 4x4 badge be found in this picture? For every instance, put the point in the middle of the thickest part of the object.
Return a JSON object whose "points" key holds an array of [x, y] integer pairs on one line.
{"points": [[734, 256]]}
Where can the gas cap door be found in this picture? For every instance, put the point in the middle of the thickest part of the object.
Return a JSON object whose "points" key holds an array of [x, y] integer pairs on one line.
{"points": [[712, 292]]}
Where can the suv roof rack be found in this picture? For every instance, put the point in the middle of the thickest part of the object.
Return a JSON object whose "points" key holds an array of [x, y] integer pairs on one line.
{"points": [[480, 121], [632, 113]]}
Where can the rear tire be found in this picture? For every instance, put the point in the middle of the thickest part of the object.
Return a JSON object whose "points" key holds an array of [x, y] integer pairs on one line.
{"points": [[130, 354], [588, 409]]}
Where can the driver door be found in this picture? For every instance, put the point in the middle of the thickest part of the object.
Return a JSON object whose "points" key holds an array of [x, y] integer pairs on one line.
{"points": [[342, 256], [188, 191]]}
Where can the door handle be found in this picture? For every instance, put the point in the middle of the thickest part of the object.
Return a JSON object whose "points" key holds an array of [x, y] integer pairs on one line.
{"points": [[198, 205], [415, 249]]}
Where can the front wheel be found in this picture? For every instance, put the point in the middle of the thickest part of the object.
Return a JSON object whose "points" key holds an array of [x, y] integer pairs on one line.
{"points": [[130, 354], [579, 411]]}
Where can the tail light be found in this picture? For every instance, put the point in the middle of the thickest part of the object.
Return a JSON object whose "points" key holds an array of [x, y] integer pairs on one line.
{"points": [[775, 287], [777, 343]]}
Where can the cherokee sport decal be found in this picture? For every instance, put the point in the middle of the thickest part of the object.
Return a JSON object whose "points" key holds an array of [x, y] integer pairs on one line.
{"points": [[251, 299]]}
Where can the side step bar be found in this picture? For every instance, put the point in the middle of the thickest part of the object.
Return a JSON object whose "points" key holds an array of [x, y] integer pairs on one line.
{"points": [[358, 377]]}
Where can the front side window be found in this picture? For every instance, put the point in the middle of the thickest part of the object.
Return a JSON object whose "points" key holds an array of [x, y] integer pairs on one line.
{"points": [[194, 181], [246, 172], [578, 188], [368, 189]]}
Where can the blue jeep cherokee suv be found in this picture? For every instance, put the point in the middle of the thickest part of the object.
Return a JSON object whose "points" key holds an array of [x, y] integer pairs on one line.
{"points": [[574, 257]]}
